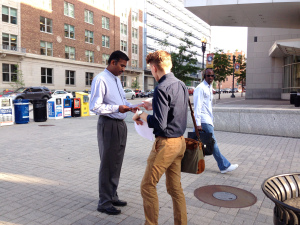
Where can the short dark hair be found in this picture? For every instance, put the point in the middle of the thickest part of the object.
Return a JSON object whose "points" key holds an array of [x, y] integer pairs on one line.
{"points": [[117, 55]]}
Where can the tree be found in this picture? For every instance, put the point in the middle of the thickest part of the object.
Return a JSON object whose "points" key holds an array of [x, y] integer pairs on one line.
{"points": [[135, 84], [17, 81], [222, 67], [184, 61], [241, 78]]}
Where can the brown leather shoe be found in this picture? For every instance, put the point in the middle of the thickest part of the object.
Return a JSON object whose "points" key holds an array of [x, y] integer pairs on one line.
{"points": [[110, 210], [119, 203]]}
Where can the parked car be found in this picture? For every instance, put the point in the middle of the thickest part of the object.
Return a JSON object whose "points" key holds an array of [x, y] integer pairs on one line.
{"points": [[226, 90], [191, 90], [5, 92], [214, 91], [129, 94], [61, 94], [137, 93], [31, 93]]}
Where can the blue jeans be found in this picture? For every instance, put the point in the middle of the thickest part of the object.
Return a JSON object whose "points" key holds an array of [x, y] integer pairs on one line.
{"points": [[223, 163]]}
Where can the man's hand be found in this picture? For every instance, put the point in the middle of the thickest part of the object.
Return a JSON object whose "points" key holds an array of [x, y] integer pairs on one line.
{"points": [[199, 127], [136, 118], [147, 105], [124, 108], [135, 109]]}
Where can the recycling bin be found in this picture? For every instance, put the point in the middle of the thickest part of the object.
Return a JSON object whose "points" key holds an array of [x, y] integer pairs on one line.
{"points": [[67, 107], [84, 99], [40, 110], [6, 111], [55, 108], [21, 111], [75, 110], [293, 95]]}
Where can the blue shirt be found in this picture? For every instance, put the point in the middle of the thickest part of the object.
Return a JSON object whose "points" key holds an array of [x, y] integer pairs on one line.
{"points": [[170, 106]]}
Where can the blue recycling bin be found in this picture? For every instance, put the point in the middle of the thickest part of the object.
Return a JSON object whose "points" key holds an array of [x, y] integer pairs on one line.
{"points": [[21, 111]]}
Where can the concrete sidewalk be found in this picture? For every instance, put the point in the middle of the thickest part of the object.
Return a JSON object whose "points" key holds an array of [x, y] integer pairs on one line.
{"points": [[49, 175]]}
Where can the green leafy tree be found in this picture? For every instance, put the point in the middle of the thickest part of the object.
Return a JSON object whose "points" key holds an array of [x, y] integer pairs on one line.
{"points": [[184, 59], [135, 84], [17, 81], [222, 67], [241, 78]]}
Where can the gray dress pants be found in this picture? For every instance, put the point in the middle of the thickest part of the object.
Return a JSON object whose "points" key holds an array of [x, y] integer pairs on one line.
{"points": [[112, 136]]}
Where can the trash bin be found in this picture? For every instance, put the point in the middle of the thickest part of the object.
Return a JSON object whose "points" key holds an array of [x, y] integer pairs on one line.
{"points": [[6, 111], [297, 100], [21, 111], [67, 107], [75, 111], [293, 95], [84, 100], [40, 110]]}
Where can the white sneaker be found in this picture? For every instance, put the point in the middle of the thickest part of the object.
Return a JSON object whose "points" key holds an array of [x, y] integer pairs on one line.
{"points": [[230, 168]]}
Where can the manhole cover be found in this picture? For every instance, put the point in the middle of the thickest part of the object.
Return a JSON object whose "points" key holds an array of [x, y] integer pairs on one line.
{"points": [[46, 125], [225, 196]]}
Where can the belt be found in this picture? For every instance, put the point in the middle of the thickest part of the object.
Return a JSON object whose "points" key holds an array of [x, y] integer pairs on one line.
{"points": [[107, 117]]}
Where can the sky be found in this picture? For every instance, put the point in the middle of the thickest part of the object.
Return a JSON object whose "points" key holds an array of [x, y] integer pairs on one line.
{"points": [[229, 38]]}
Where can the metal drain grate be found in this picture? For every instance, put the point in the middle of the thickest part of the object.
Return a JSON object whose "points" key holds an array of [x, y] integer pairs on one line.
{"points": [[225, 196]]}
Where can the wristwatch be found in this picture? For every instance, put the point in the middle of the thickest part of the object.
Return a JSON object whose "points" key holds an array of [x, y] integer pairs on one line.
{"points": [[139, 112]]}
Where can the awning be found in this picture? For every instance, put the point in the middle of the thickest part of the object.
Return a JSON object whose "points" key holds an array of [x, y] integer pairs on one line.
{"points": [[285, 48]]}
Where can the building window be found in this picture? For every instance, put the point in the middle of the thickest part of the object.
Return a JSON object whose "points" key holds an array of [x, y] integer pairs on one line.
{"points": [[89, 55], [123, 80], [105, 22], [69, 31], [69, 52], [70, 77], [134, 33], [134, 63], [105, 41], [134, 49], [46, 48], [9, 42], [134, 16], [9, 15], [106, 4], [124, 46], [88, 78], [123, 29], [88, 16], [46, 4], [9, 72], [124, 13], [69, 9], [105, 58], [45, 25], [89, 36], [46, 75], [255, 39]]}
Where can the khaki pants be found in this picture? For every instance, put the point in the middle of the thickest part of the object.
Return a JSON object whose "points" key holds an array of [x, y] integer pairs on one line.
{"points": [[165, 157]]}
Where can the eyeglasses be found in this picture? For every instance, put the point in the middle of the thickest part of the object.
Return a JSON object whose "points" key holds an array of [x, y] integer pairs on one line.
{"points": [[210, 75]]}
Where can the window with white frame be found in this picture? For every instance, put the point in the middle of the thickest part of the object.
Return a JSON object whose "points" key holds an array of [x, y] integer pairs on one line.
{"points": [[45, 25], [89, 55], [124, 46], [124, 13], [105, 58], [89, 36], [46, 48], [70, 77], [9, 15], [46, 4], [105, 41], [134, 33], [69, 52], [9, 72], [46, 75], [106, 4], [134, 16], [9, 42], [88, 78], [134, 63], [123, 28], [69, 31], [123, 80], [105, 22], [88, 16], [134, 49], [69, 9]]}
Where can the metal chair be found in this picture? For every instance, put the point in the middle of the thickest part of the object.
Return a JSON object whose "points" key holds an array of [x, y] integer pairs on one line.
{"points": [[284, 191]]}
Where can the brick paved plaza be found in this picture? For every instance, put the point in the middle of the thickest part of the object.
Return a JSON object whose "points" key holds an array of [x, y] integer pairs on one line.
{"points": [[49, 175]]}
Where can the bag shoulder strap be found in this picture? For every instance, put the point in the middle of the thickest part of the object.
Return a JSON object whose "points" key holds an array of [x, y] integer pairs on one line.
{"points": [[194, 121]]}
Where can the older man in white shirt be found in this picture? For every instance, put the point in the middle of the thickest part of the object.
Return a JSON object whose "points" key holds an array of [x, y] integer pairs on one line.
{"points": [[203, 97], [108, 100]]}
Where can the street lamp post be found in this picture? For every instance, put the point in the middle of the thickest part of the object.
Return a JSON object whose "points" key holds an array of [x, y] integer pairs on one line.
{"points": [[203, 47], [233, 60]]}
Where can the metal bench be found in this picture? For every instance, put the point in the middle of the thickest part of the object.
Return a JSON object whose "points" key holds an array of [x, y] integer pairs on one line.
{"points": [[284, 191]]}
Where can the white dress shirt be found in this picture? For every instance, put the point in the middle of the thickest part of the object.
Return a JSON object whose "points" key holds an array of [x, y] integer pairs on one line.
{"points": [[203, 104], [107, 95]]}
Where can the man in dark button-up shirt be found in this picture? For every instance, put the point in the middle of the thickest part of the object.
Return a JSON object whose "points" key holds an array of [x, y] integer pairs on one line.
{"points": [[169, 119]]}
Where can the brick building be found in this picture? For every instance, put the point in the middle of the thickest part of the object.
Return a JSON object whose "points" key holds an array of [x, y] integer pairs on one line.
{"points": [[64, 44]]}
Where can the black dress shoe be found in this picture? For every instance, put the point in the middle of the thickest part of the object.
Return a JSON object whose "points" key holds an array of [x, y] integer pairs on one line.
{"points": [[119, 203], [110, 210]]}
